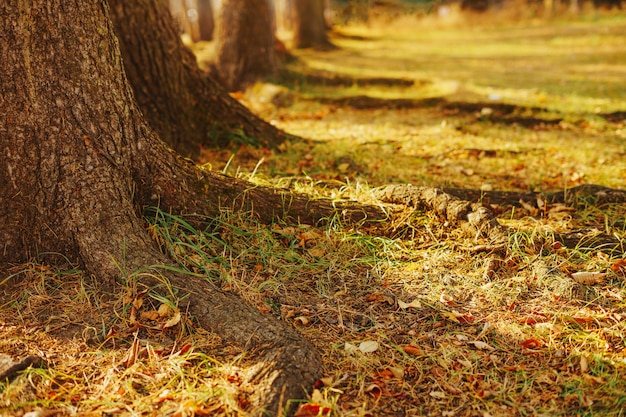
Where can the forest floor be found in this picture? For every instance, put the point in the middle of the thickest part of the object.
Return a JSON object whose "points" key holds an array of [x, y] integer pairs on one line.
{"points": [[423, 319]]}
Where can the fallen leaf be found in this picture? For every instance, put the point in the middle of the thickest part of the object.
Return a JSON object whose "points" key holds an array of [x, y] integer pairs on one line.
{"points": [[173, 321], [412, 350], [324, 382], [413, 304], [368, 346], [303, 320], [531, 344], [150, 315], [384, 374], [460, 318], [312, 410], [374, 297], [584, 365], [374, 390], [438, 394], [447, 299], [133, 352], [481, 345], [165, 310], [397, 372], [317, 252], [588, 278], [349, 347], [619, 266]]}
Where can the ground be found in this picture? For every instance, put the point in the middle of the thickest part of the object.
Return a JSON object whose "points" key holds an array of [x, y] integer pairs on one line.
{"points": [[418, 318]]}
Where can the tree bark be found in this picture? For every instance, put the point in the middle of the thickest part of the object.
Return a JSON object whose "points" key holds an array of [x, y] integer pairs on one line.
{"points": [[309, 24], [206, 22], [244, 43], [186, 107], [78, 164]]}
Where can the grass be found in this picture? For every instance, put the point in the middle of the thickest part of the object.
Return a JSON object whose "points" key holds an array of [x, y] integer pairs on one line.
{"points": [[457, 331]]}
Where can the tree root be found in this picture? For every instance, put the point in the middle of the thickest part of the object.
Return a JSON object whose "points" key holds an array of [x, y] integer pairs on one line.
{"points": [[286, 364], [599, 194], [474, 218]]}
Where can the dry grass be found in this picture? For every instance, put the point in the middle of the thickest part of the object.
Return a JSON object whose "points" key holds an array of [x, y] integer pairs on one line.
{"points": [[418, 322]]}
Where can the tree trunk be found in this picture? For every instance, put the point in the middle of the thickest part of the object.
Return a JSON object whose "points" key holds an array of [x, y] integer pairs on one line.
{"points": [[205, 20], [186, 107], [309, 24], [244, 42], [79, 162]]}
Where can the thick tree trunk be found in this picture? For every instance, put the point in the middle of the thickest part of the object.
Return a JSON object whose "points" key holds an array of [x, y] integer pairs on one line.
{"points": [[186, 107], [309, 24], [78, 163], [244, 42]]}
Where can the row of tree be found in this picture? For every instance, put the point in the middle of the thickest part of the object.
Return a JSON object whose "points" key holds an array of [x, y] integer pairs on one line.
{"points": [[244, 32]]}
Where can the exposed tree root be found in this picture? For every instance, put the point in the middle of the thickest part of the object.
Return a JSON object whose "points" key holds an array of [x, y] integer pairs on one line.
{"points": [[472, 217], [597, 193], [286, 364]]}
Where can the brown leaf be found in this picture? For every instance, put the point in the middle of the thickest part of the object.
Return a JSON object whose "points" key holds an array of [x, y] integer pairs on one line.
{"points": [[531, 344], [132, 353], [412, 350], [374, 297], [150, 315], [312, 410]]}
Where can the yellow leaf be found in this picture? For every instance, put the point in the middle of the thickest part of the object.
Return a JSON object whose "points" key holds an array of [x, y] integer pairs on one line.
{"points": [[368, 346], [164, 310], [172, 321], [413, 304], [150, 315]]}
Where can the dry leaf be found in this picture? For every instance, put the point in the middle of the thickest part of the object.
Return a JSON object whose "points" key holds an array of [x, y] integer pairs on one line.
{"points": [[481, 345], [312, 410], [349, 347], [374, 390], [317, 252], [133, 352], [172, 321], [303, 320], [531, 344], [412, 350], [588, 278], [584, 365], [379, 297], [368, 346], [437, 394], [397, 372], [165, 310], [413, 304], [150, 315], [447, 299]]}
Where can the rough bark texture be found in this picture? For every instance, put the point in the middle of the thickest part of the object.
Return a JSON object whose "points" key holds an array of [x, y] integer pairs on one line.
{"points": [[244, 43], [309, 24], [79, 162], [570, 196], [206, 22], [186, 107], [473, 217]]}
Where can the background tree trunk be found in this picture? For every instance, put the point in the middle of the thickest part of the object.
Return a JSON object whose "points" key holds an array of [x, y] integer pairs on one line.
{"points": [[79, 162], [309, 24], [244, 42], [186, 107], [205, 19]]}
